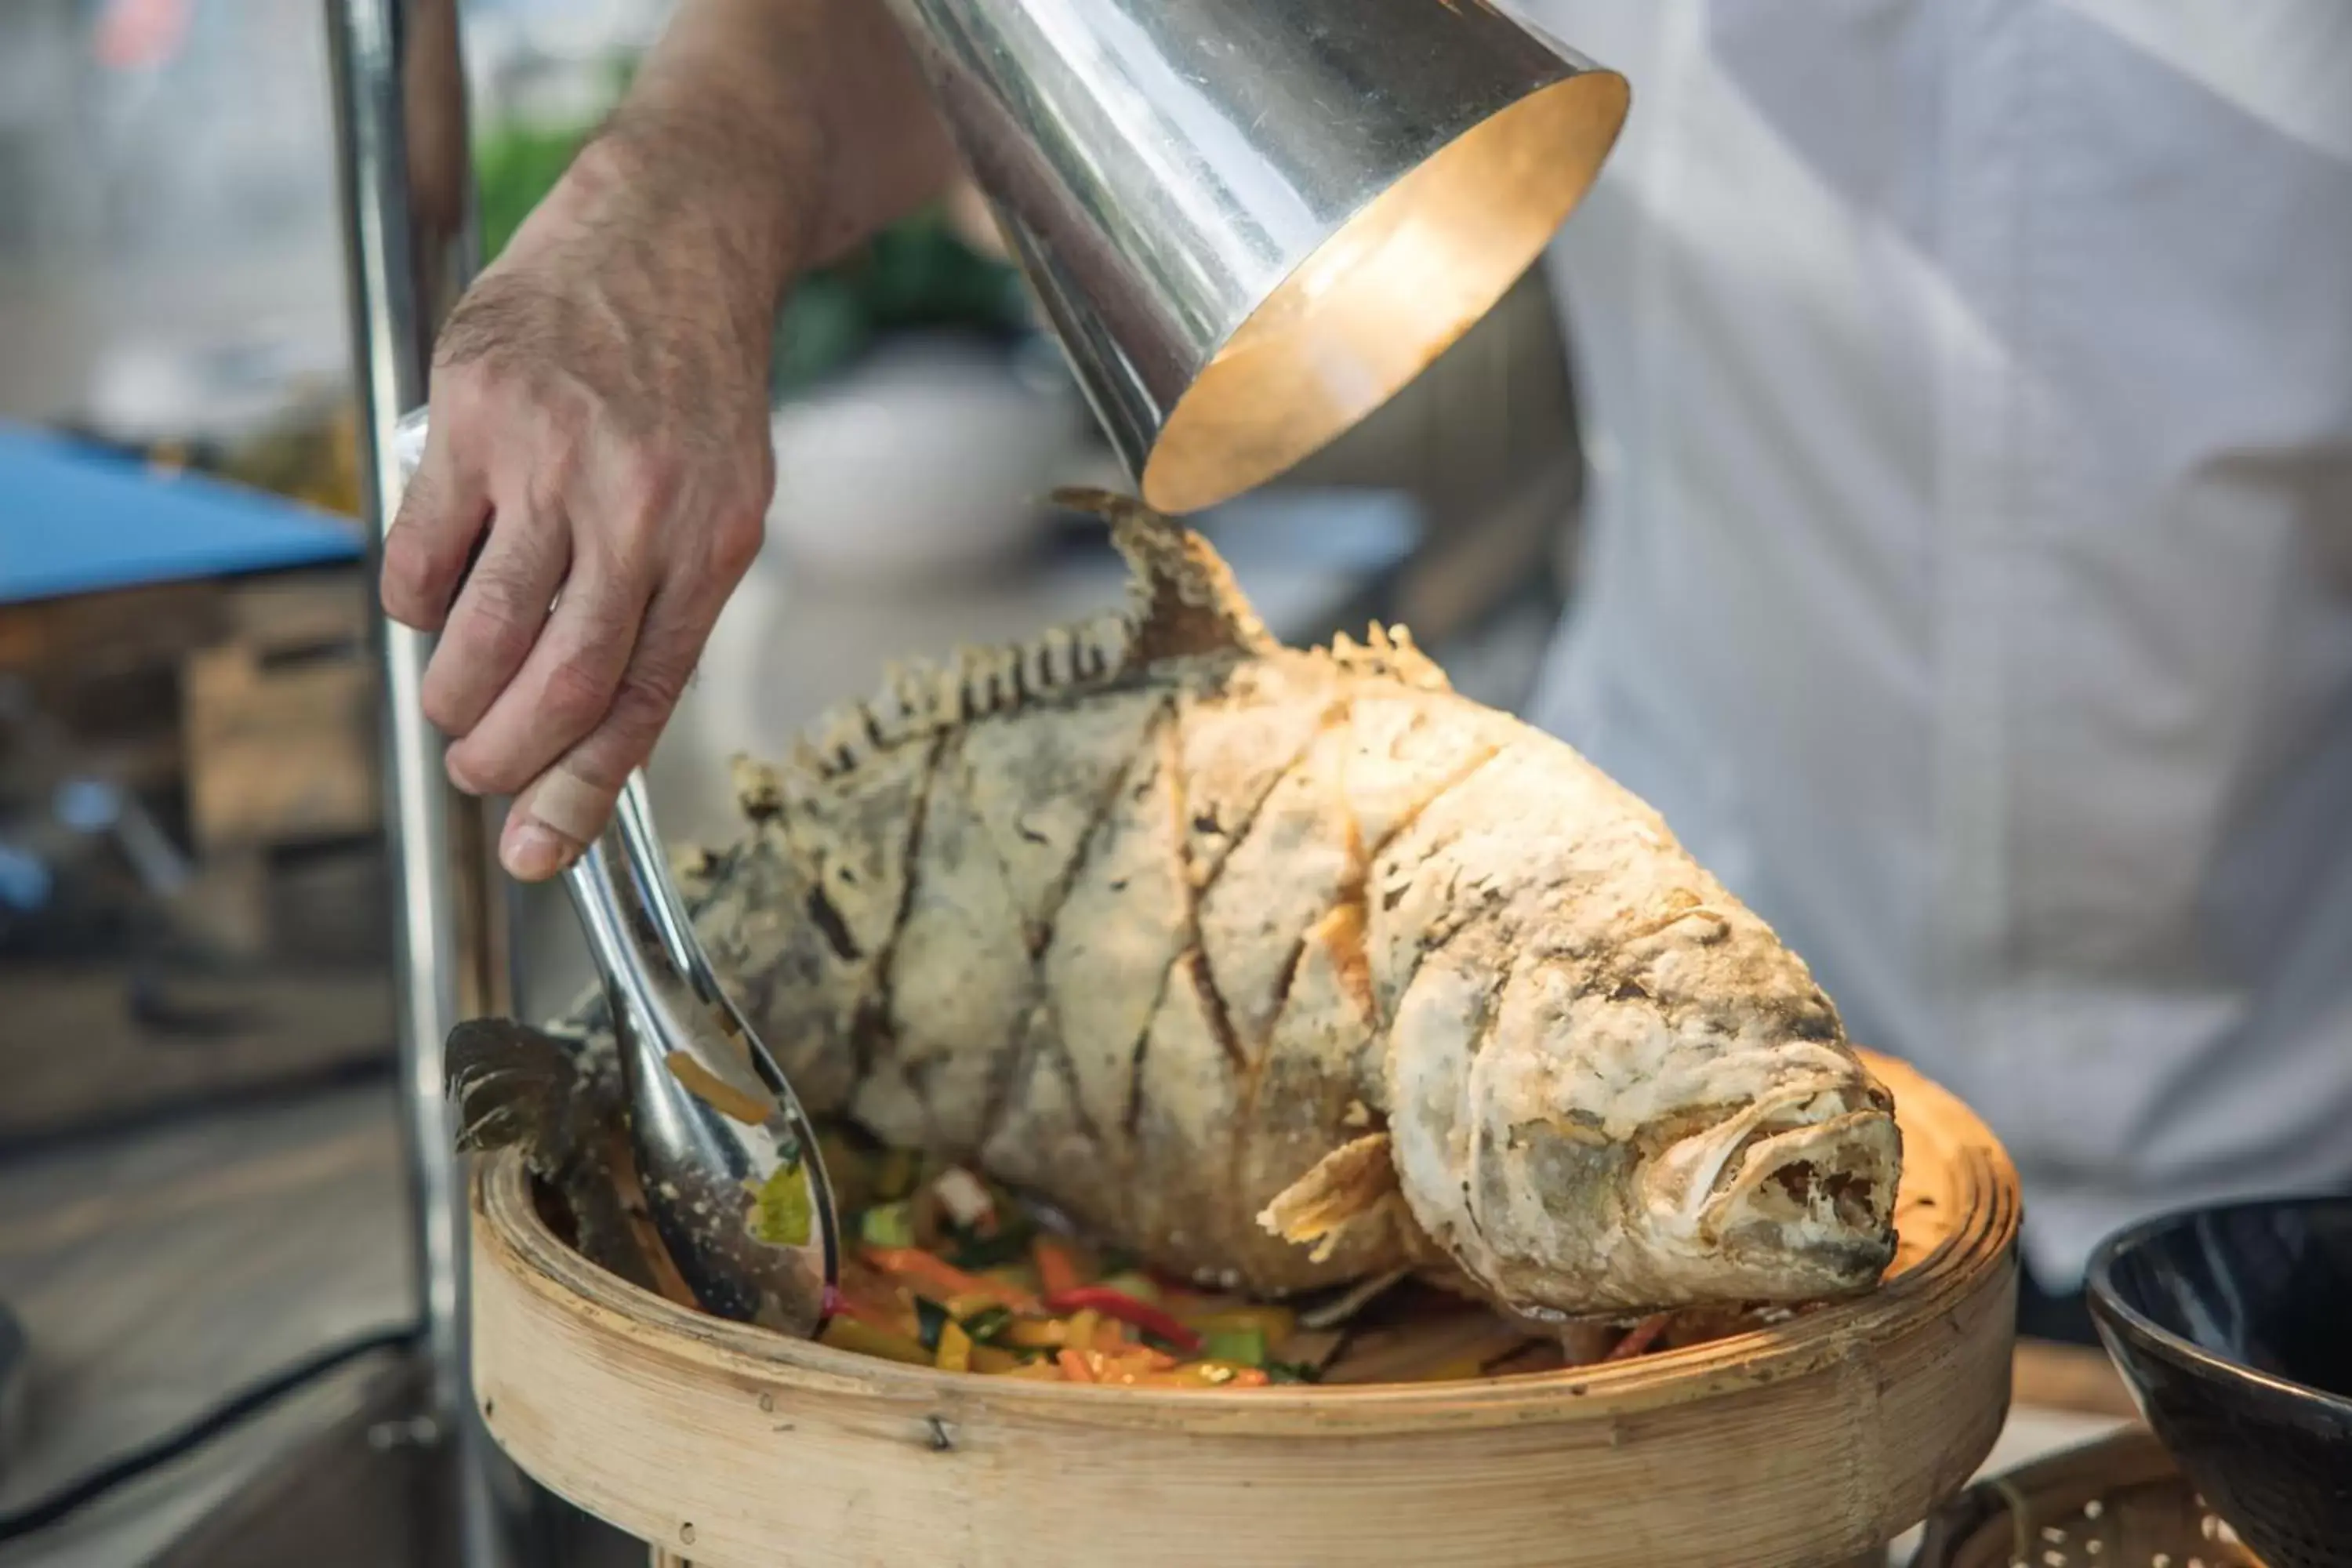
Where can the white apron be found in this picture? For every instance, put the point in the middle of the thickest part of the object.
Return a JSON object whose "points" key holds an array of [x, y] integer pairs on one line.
{"points": [[1969, 577]]}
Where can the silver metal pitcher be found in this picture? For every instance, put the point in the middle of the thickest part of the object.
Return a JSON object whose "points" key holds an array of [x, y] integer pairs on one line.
{"points": [[1251, 222]]}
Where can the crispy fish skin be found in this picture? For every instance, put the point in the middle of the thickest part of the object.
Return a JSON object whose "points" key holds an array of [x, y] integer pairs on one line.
{"points": [[1286, 967]]}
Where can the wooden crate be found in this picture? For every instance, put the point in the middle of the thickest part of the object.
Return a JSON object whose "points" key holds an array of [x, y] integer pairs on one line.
{"points": [[278, 724], [244, 712]]}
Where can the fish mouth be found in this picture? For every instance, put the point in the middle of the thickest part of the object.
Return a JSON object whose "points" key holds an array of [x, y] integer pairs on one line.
{"points": [[1796, 1191]]}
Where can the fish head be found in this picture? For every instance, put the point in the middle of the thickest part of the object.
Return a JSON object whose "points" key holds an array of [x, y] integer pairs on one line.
{"points": [[1696, 1135]]}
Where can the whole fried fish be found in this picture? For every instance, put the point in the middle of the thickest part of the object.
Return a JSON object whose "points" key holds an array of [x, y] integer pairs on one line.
{"points": [[1284, 968]]}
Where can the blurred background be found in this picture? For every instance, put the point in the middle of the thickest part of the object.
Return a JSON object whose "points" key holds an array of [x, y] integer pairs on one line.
{"points": [[200, 1179]]}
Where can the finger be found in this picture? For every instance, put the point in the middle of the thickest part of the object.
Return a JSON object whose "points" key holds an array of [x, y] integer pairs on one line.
{"points": [[499, 613], [563, 810], [442, 514], [566, 683]]}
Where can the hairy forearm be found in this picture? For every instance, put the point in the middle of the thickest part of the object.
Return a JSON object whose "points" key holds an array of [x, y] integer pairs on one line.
{"points": [[787, 131]]}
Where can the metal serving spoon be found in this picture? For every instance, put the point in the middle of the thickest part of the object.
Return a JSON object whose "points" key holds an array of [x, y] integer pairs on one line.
{"points": [[728, 1160]]}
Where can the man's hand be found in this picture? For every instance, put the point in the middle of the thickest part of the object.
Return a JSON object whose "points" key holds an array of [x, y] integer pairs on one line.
{"points": [[592, 488], [599, 465]]}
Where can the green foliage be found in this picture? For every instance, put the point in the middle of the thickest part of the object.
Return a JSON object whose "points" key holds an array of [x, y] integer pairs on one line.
{"points": [[916, 276]]}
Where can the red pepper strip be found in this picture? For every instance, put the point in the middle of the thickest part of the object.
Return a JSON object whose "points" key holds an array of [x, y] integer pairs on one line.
{"points": [[1119, 1304], [1639, 1338]]}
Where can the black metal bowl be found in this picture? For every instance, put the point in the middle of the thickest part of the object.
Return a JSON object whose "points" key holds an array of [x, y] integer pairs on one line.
{"points": [[2233, 1327]]}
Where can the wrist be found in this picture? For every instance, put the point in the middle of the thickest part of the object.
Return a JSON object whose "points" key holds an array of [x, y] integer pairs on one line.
{"points": [[692, 175]]}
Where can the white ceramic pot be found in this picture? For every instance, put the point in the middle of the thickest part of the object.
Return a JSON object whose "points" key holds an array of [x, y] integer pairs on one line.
{"points": [[929, 458]]}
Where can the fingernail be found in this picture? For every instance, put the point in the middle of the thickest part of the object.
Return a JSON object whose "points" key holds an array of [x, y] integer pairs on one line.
{"points": [[533, 851]]}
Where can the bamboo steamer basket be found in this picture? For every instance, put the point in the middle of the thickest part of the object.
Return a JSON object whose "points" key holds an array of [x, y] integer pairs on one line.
{"points": [[1800, 1445]]}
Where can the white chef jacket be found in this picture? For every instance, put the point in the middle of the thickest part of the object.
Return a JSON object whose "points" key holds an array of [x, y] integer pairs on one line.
{"points": [[1969, 575]]}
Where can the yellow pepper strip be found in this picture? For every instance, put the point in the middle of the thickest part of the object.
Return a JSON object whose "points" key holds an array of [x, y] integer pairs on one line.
{"points": [[849, 1335], [955, 1348], [989, 1359], [1082, 1332], [1207, 1374], [1036, 1333]]}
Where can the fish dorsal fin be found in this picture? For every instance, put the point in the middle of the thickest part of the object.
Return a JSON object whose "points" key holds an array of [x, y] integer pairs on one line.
{"points": [[1389, 653], [922, 698], [1183, 601], [1183, 604]]}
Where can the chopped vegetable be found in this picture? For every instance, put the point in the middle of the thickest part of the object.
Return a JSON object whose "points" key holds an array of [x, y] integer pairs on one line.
{"points": [[1112, 1303], [987, 1324], [850, 1335], [716, 1091], [1137, 1284], [968, 1202], [782, 1212], [1018, 1275], [1212, 1374], [956, 1274], [1057, 1266], [988, 1253], [1276, 1324], [1036, 1333], [887, 1224], [918, 1268], [1639, 1338], [931, 1320], [1245, 1344]]}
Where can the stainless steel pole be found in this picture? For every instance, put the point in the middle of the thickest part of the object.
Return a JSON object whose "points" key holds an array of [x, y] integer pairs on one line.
{"points": [[407, 196]]}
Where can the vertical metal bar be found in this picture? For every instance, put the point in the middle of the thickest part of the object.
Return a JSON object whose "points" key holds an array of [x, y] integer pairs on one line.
{"points": [[408, 198]]}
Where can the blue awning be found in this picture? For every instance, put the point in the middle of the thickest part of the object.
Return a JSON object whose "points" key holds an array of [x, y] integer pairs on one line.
{"points": [[77, 519]]}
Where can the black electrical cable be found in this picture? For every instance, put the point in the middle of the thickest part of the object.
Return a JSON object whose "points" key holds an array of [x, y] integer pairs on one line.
{"points": [[80, 1494]]}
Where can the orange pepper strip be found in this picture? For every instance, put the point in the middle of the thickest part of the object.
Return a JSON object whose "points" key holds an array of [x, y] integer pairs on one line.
{"points": [[1639, 1338], [1136, 1364], [1057, 1266], [943, 1281], [1073, 1365]]}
